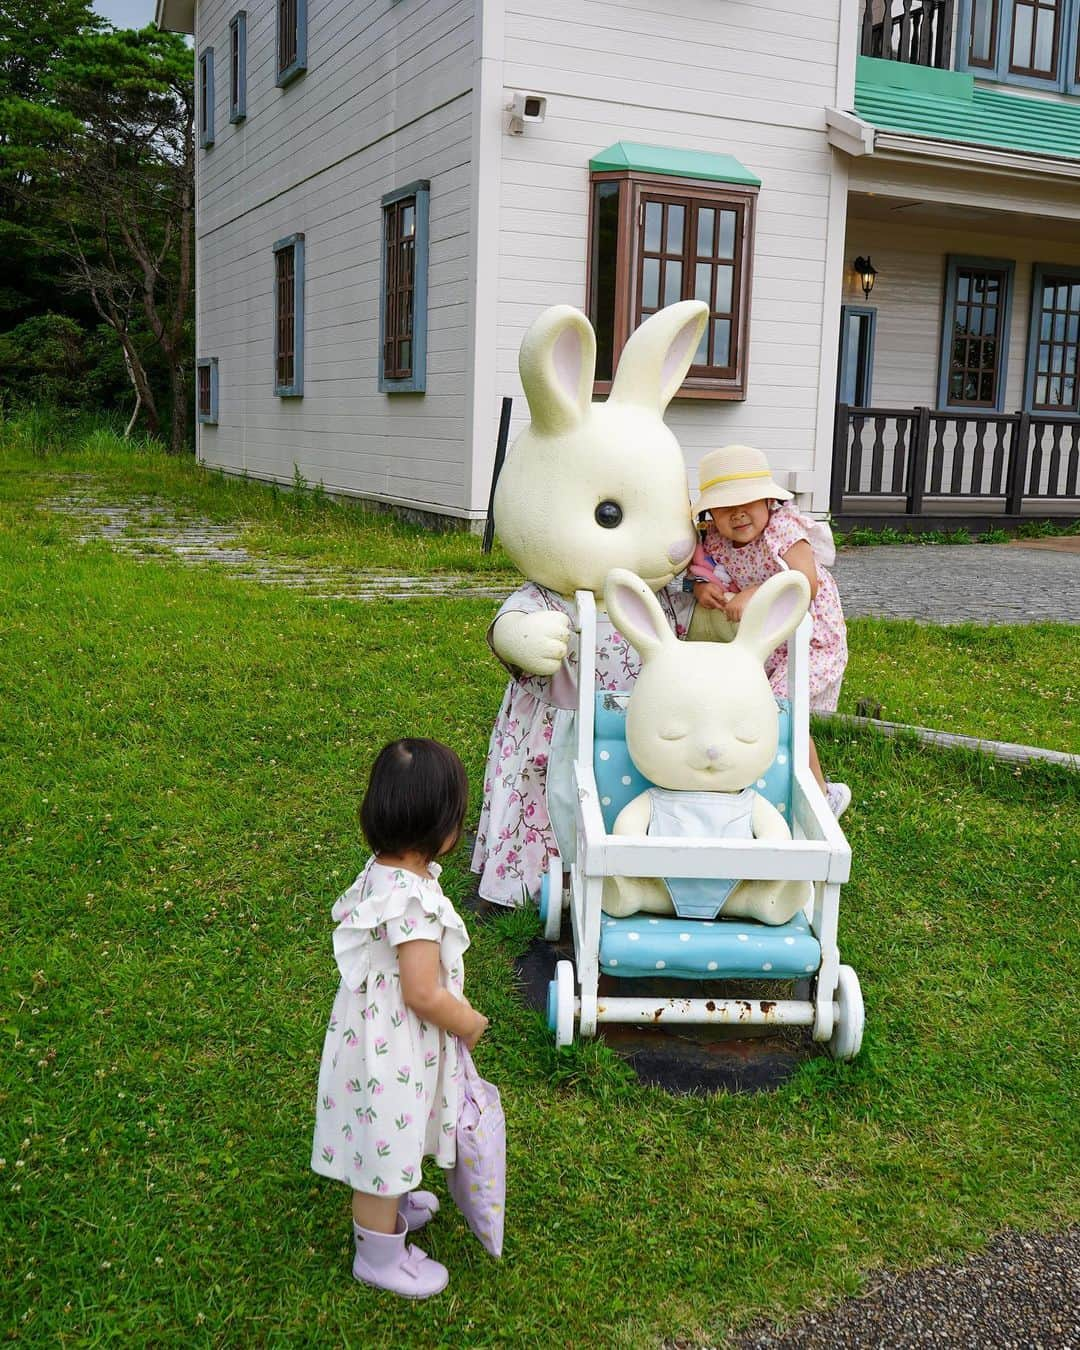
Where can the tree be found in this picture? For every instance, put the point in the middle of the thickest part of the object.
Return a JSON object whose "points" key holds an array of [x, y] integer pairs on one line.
{"points": [[106, 139]]}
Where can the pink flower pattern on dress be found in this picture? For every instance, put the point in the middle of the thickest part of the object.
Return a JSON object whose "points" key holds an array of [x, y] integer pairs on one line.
{"points": [[514, 837], [754, 563]]}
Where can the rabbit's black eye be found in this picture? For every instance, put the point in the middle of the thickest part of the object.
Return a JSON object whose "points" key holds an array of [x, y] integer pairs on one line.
{"points": [[608, 515]]}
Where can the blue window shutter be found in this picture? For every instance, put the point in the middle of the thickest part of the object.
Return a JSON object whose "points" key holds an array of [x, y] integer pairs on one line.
{"points": [[207, 363], [295, 388], [415, 383], [206, 98], [292, 69], [956, 262], [238, 66]]}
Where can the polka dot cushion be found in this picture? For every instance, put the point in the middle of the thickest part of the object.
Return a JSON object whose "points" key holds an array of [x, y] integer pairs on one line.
{"points": [[696, 949], [618, 781]]}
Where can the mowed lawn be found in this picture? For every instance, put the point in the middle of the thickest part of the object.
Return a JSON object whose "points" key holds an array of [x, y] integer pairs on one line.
{"points": [[182, 757]]}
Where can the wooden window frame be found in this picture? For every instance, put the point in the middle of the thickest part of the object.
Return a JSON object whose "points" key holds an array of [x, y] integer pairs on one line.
{"points": [[1042, 275], [399, 380], [1061, 12], [990, 62], [206, 98], [207, 415], [954, 264], [635, 188], [1066, 74], [238, 66], [290, 40], [285, 388]]}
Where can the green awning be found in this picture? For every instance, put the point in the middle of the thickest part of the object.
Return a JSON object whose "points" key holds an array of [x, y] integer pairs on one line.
{"points": [[673, 161], [947, 105]]}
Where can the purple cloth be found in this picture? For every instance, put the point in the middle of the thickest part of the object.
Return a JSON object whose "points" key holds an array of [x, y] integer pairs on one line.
{"points": [[477, 1181]]}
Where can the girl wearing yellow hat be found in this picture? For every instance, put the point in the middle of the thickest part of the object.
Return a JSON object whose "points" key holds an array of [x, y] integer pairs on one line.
{"points": [[753, 533]]}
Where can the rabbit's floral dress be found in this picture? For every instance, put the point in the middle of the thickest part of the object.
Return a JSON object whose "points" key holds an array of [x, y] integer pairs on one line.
{"points": [[534, 726], [388, 1082]]}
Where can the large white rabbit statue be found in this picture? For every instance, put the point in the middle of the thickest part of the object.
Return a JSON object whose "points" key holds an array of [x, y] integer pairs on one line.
{"points": [[586, 487], [702, 725]]}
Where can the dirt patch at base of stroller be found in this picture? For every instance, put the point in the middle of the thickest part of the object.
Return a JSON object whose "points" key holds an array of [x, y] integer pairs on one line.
{"points": [[683, 1059]]}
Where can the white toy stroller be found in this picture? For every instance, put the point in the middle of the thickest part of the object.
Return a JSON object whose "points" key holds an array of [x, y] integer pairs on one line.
{"points": [[803, 950]]}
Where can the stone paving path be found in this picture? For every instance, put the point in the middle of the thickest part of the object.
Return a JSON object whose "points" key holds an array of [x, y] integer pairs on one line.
{"points": [[147, 528], [950, 583], [1021, 582]]}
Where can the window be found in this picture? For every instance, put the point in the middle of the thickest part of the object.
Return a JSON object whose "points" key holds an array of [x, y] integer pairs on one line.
{"points": [[403, 296], [975, 337], [854, 381], [1032, 42], [206, 98], [291, 40], [289, 316], [206, 389], [1053, 374], [238, 66], [656, 239]]}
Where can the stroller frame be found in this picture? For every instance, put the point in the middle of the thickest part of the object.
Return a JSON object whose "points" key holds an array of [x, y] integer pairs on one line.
{"points": [[818, 853]]}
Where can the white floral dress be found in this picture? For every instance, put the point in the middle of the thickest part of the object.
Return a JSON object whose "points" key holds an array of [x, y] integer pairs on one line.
{"points": [[515, 834], [388, 1082]]}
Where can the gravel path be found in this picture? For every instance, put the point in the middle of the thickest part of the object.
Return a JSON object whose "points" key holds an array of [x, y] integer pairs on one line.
{"points": [[1020, 1293], [951, 583]]}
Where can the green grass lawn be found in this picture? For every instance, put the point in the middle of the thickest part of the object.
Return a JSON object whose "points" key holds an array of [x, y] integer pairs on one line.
{"points": [[182, 757]]}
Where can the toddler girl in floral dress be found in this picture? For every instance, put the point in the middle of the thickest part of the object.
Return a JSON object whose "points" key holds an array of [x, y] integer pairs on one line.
{"points": [[389, 1079], [754, 532]]}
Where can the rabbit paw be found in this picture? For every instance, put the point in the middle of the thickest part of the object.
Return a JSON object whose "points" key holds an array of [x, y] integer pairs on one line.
{"points": [[535, 643]]}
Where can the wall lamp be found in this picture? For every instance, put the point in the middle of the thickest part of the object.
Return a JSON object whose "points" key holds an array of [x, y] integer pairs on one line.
{"points": [[867, 274]]}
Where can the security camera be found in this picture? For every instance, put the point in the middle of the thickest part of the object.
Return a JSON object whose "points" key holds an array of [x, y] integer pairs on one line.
{"points": [[526, 108]]}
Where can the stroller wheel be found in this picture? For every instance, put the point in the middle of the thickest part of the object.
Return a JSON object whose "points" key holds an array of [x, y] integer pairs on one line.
{"points": [[560, 1004], [846, 1039], [551, 898]]}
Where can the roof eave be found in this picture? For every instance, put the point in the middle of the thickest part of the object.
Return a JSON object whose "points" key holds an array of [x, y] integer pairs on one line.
{"points": [[175, 16], [976, 156]]}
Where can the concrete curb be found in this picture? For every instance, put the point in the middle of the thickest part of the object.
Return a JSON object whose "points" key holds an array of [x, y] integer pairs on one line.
{"points": [[1005, 751]]}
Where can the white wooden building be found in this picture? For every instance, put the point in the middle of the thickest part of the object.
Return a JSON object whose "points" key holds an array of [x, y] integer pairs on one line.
{"points": [[389, 191]]}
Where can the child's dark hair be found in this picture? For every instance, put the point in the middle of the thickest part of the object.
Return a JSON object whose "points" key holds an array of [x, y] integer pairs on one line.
{"points": [[416, 798]]}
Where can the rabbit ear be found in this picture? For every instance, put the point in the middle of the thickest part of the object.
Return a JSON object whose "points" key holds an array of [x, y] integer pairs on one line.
{"points": [[636, 612], [657, 355], [775, 610], [557, 362]]}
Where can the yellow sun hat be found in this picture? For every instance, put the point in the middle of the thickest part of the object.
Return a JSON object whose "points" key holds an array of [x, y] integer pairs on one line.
{"points": [[735, 475]]}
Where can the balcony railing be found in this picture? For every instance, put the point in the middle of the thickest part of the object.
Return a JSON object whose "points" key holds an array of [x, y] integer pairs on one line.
{"points": [[918, 465], [916, 31]]}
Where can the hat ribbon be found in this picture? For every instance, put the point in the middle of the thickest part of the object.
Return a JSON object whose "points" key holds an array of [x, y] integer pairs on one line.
{"points": [[730, 477]]}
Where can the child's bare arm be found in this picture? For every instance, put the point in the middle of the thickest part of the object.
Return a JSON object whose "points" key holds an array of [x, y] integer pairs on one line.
{"points": [[800, 558], [418, 965]]}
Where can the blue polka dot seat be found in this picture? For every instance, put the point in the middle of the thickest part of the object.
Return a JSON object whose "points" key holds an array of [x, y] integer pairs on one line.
{"points": [[694, 949]]}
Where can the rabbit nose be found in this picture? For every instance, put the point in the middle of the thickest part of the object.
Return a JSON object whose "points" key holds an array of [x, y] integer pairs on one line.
{"points": [[681, 550], [711, 752]]}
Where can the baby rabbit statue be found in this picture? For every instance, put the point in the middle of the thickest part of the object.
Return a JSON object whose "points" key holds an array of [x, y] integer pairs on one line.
{"points": [[702, 725], [586, 487]]}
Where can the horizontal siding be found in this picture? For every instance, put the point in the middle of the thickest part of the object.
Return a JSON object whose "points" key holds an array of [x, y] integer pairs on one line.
{"points": [[371, 69], [344, 432], [908, 295], [757, 78]]}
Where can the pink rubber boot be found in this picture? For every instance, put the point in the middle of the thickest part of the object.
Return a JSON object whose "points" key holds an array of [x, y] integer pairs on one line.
{"points": [[384, 1261], [417, 1207]]}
